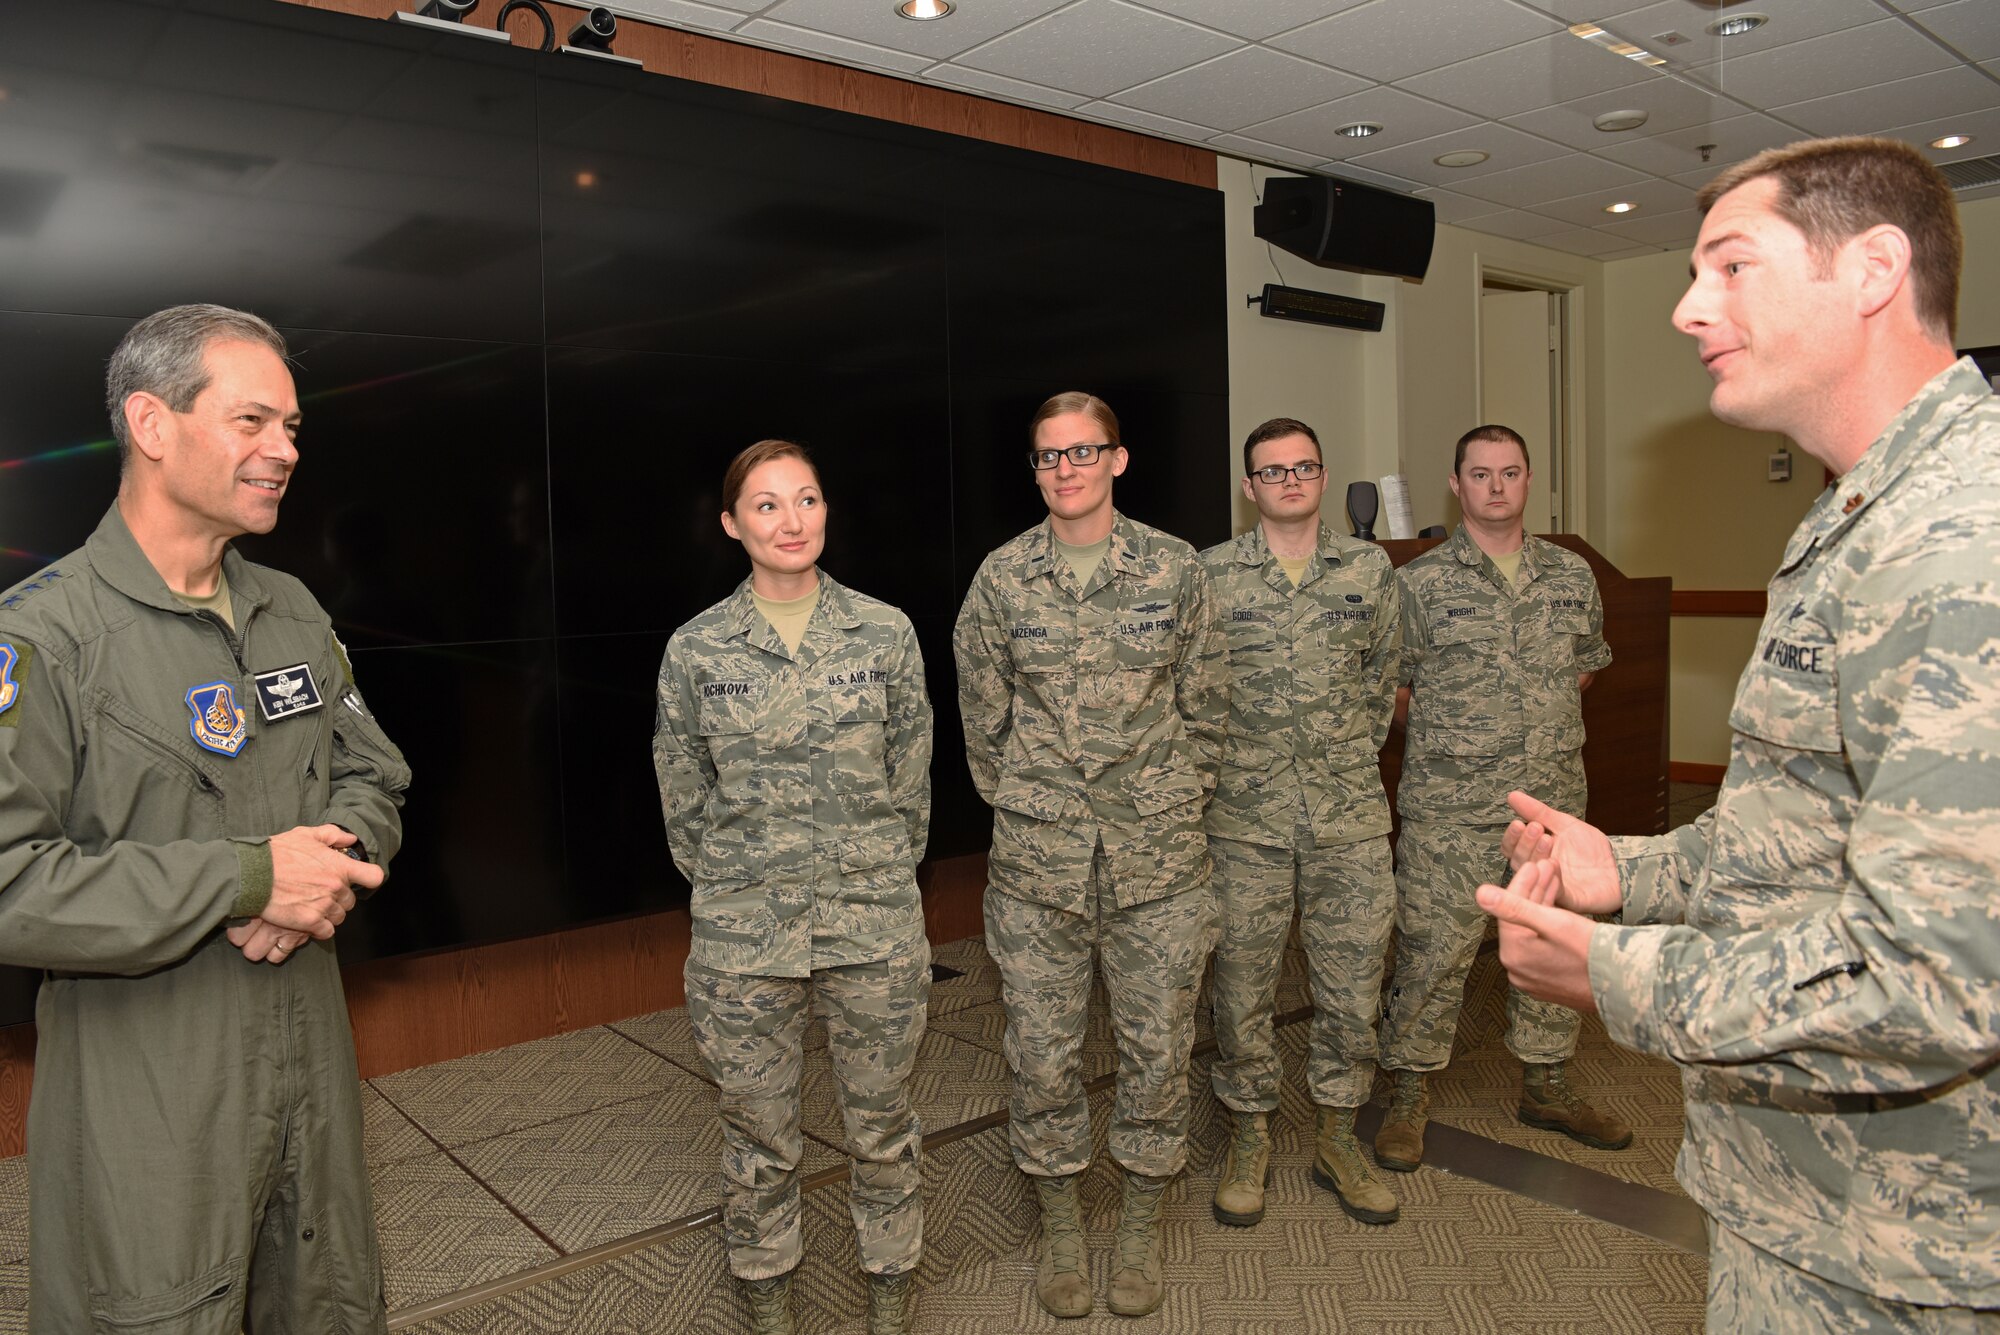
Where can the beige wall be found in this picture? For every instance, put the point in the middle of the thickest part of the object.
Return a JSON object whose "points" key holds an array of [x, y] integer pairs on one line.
{"points": [[1386, 402], [1341, 382]]}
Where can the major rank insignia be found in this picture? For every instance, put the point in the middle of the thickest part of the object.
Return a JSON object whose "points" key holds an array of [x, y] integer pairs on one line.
{"points": [[218, 725]]}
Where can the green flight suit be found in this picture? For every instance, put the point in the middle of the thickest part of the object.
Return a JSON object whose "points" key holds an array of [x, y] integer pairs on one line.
{"points": [[797, 795], [194, 1137]]}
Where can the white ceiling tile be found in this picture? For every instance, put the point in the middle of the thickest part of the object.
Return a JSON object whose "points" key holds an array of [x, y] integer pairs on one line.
{"points": [[1679, 151], [1631, 253], [1669, 104], [1678, 228], [1145, 120], [1972, 27], [1097, 47], [1983, 126], [720, 16], [1258, 151], [1529, 187], [1347, 171], [1587, 210], [1256, 20], [1506, 149], [836, 48], [1453, 207], [1388, 40], [1515, 223], [1533, 74], [1403, 118], [1248, 85], [1000, 86], [877, 22], [1913, 6], [1791, 21], [1825, 66], [1867, 109], [1583, 241]]}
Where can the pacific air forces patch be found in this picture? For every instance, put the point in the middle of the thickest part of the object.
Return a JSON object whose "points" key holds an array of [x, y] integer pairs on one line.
{"points": [[218, 725], [14, 660]]}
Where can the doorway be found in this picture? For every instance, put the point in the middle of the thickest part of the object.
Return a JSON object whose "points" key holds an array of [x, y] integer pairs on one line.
{"points": [[1524, 384]]}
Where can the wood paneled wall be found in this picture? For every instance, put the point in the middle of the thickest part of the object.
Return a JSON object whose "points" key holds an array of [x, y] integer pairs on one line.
{"points": [[715, 60]]}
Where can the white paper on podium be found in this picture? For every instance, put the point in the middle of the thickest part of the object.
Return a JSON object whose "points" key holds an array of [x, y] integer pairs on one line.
{"points": [[1396, 507]]}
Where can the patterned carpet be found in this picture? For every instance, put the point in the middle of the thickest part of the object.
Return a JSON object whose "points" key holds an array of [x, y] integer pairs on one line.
{"points": [[584, 1167]]}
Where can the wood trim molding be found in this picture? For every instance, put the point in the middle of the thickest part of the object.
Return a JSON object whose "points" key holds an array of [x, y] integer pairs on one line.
{"points": [[1719, 603], [1689, 771], [755, 69]]}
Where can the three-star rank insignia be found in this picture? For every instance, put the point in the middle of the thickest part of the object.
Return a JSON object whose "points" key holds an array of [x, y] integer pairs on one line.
{"points": [[218, 725]]}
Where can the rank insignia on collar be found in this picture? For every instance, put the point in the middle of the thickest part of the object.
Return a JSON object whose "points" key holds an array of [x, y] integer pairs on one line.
{"points": [[283, 692], [218, 725], [10, 690]]}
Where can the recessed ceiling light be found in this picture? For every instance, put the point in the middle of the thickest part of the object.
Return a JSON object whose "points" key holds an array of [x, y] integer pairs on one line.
{"points": [[925, 9], [586, 179], [1622, 206], [1465, 157], [1952, 141], [1358, 130], [1738, 24], [1611, 122]]}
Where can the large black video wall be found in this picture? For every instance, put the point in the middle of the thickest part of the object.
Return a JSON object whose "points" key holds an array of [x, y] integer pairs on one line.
{"points": [[537, 302]]}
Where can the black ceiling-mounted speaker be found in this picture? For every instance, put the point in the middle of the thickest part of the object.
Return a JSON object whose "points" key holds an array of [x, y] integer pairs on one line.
{"points": [[1347, 225]]}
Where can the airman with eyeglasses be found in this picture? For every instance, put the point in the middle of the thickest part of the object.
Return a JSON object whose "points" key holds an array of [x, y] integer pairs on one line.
{"points": [[1300, 816], [1093, 685]]}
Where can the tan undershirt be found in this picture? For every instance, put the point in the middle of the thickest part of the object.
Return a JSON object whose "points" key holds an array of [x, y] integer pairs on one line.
{"points": [[788, 618], [1510, 567], [1083, 561], [1295, 567], [217, 602]]}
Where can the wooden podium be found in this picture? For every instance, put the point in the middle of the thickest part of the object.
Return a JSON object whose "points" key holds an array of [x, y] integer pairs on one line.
{"points": [[1625, 709]]}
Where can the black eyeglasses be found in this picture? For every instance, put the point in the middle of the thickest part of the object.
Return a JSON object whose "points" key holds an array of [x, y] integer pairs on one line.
{"points": [[1083, 456], [1272, 474]]}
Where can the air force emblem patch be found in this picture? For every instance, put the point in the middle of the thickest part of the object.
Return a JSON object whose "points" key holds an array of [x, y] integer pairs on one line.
{"points": [[218, 725], [283, 692], [10, 690]]}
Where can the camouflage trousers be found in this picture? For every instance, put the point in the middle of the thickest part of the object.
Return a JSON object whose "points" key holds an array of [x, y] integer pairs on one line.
{"points": [[751, 1031], [1346, 899], [1152, 955], [1751, 1292], [1438, 931]]}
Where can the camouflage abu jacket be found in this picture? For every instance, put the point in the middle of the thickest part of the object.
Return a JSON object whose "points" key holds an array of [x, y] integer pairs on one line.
{"points": [[1832, 993], [1494, 703], [797, 791], [1312, 684], [1093, 713]]}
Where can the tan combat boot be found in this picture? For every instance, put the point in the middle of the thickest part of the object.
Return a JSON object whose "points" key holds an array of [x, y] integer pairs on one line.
{"points": [[770, 1304], [890, 1302], [1136, 1286], [1246, 1167], [1062, 1278], [1340, 1167], [1548, 1102], [1399, 1141]]}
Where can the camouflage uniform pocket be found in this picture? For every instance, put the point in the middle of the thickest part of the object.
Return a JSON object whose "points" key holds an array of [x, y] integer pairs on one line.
{"points": [[875, 866], [1163, 787]]}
